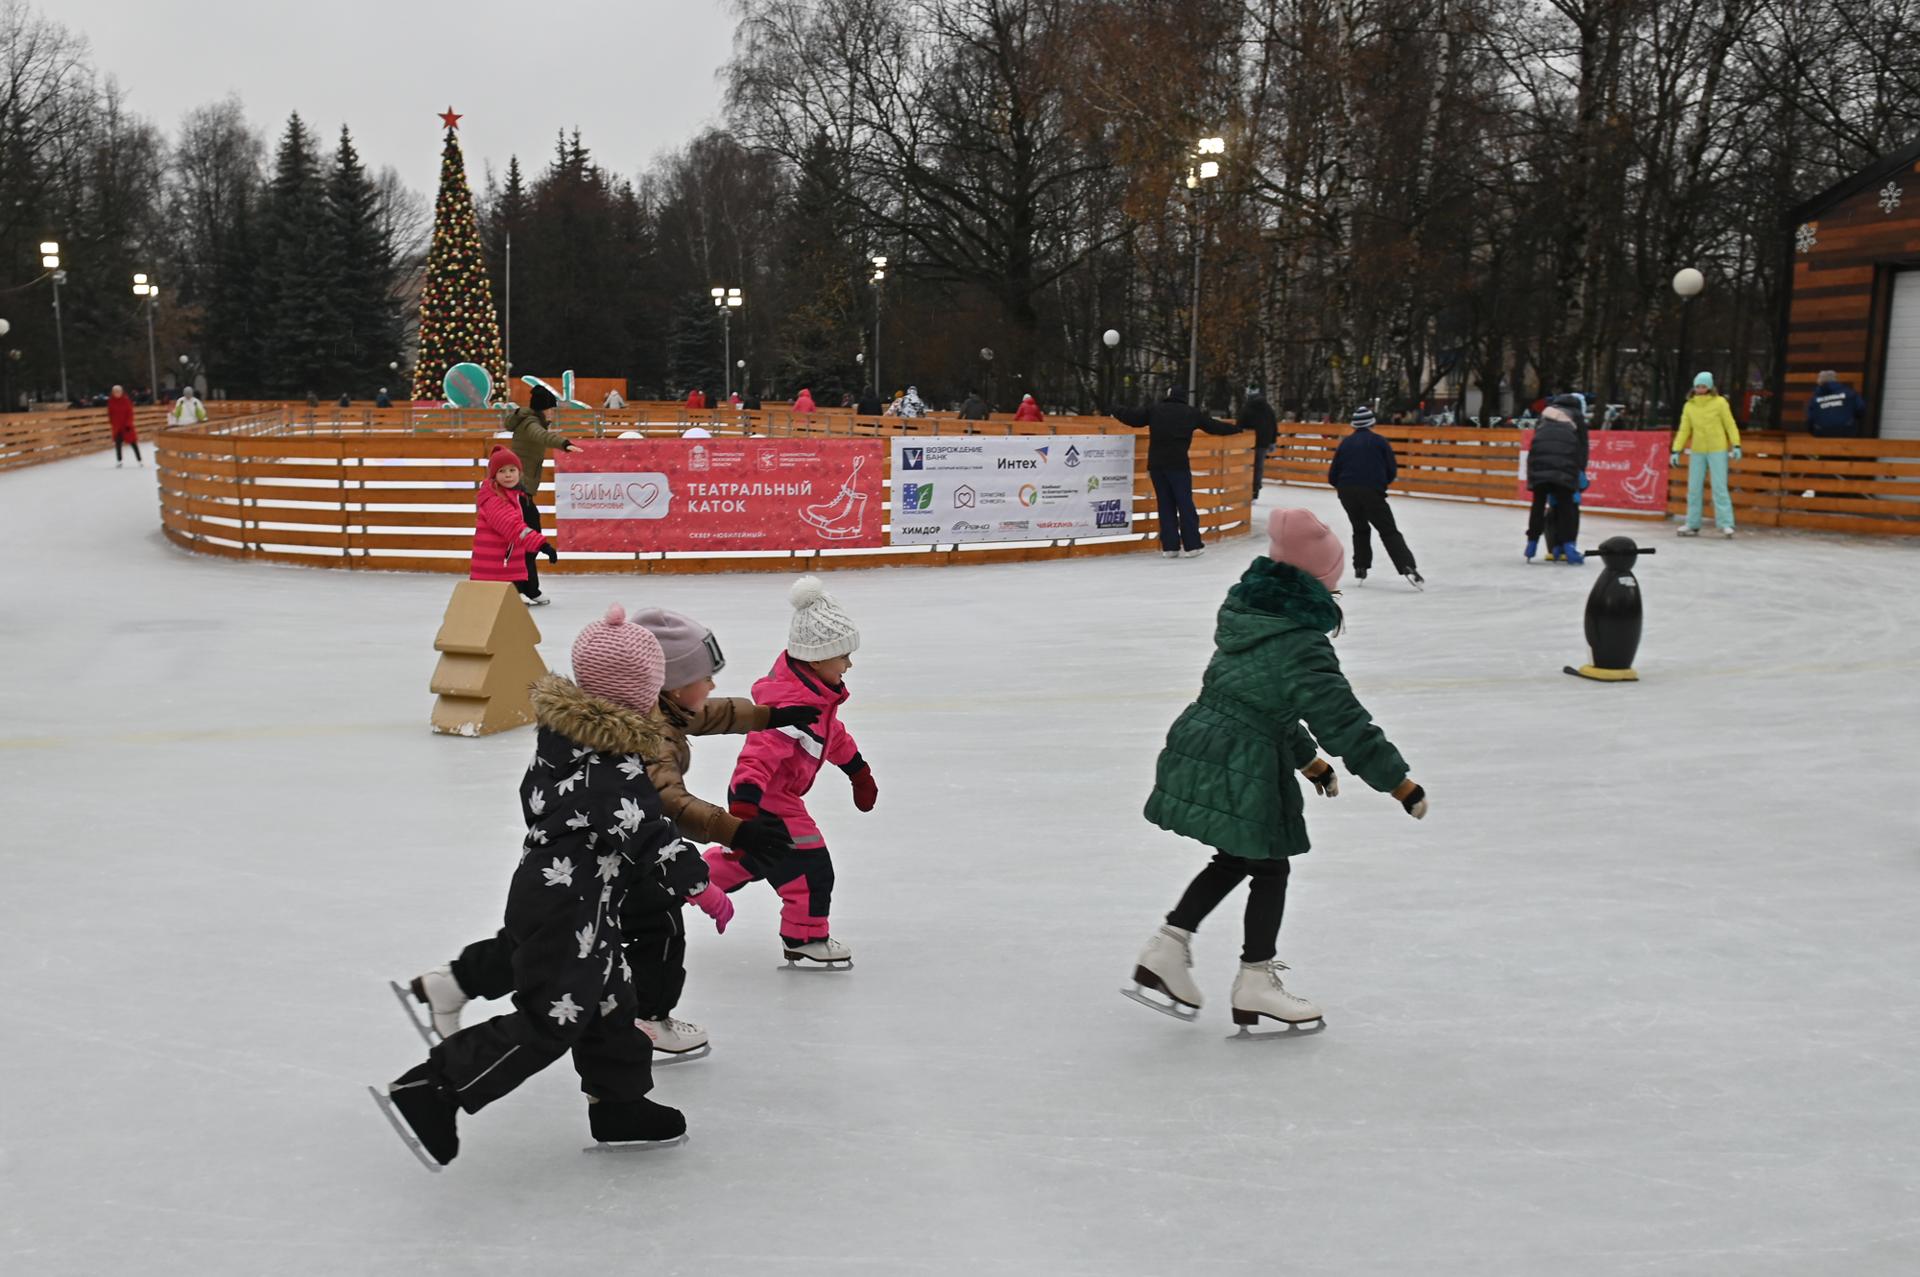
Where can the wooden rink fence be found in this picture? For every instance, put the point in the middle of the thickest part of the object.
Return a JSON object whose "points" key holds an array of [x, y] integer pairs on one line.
{"points": [[1866, 486], [393, 489], [34, 438]]}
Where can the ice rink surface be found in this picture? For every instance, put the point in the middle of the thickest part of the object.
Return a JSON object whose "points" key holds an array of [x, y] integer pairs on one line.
{"points": [[1637, 997]]}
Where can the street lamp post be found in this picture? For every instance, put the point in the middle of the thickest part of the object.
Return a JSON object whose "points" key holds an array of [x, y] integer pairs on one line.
{"points": [[1205, 171], [727, 300], [143, 287], [50, 258], [1111, 340], [879, 282], [1687, 284], [6, 373]]}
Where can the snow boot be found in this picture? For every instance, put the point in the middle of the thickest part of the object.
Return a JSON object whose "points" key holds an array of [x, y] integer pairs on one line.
{"points": [[638, 1121], [1166, 964], [443, 997], [429, 1112], [1533, 546], [1573, 554], [1257, 992], [826, 952], [673, 1037]]}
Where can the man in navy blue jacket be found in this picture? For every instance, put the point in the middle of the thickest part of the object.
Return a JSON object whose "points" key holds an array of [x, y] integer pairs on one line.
{"points": [[1835, 410], [1362, 470]]}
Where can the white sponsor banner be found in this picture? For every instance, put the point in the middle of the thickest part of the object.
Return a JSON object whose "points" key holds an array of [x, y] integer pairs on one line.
{"points": [[1011, 488]]}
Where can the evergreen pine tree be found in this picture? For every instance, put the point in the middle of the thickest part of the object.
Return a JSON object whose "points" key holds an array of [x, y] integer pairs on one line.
{"points": [[302, 322], [364, 284], [458, 323], [693, 346], [821, 329]]}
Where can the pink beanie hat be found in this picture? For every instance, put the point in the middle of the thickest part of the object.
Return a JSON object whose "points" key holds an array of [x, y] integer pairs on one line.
{"points": [[619, 662], [1297, 537]]}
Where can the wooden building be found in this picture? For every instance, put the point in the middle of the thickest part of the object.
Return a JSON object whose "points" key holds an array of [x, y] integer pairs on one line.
{"points": [[1854, 301]]}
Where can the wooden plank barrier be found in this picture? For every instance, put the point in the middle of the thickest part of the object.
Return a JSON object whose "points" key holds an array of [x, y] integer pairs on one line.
{"points": [[1866, 486], [397, 494]]}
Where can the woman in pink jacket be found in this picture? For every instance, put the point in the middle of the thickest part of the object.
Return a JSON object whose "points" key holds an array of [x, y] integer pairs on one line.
{"points": [[501, 538], [804, 403], [1028, 410], [777, 768]]}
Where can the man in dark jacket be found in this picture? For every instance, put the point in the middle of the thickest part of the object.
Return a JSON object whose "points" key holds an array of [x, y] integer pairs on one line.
{"points": [[975, 408], [1363, 469], [1556, 464], [531, 439], [868, 405], [1256, 414], [1170, 425], [1836, 410]]}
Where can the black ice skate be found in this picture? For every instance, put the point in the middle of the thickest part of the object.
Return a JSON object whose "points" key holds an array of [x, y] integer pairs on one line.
{"points": [[422, 1115], [634, 1126]]}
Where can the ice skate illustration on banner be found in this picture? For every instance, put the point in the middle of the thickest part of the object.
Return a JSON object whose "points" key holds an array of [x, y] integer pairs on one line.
{"points": [[1646, 485], [842, 518]]}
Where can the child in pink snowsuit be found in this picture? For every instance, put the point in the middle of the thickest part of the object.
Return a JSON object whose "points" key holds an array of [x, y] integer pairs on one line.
{"points": [[777, 767]]}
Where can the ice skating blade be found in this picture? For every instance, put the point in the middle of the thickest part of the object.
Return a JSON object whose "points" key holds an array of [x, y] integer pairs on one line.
{"points": [[1187, 1015], [1300, 1029], [635, 1146], [810, 964], [401, 1129], [700, 1052], [412, 1007]]}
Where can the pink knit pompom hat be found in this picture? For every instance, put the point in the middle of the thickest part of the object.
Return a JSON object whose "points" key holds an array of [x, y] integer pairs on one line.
{"points": [[1299, 538], [619, 662]]}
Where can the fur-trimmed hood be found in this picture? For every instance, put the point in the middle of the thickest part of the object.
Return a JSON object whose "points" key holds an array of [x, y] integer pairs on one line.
{"points": [[561, 704]]}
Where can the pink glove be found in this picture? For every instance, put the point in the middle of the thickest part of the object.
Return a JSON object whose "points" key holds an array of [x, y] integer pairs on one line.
{"points": [[716, 904]]}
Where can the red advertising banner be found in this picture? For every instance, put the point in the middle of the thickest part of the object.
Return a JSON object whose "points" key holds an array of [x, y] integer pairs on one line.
{"points": [[720, 494], [1628, 469]]}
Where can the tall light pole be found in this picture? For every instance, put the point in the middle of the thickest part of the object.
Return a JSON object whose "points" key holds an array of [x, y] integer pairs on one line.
{"points": [[1687, 284], [727, 300], [1205, 171], [879, 282], [1111, 340], [50, 258], [143, 287], [6, 373]]}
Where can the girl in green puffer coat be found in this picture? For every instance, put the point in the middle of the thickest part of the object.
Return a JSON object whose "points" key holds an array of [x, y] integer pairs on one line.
{"points": [[1225, 777]]}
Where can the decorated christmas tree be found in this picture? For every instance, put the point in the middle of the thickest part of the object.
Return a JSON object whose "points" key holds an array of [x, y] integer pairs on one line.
{"points": [[457, 319]]}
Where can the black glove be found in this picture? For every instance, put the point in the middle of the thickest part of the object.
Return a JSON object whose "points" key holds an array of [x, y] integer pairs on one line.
{"points": [[762, 837], [553, 555], [1415, 802], [793, 716]]}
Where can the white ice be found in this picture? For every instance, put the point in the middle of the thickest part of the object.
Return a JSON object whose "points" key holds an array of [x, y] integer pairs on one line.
{"points": [[1636, 998]]}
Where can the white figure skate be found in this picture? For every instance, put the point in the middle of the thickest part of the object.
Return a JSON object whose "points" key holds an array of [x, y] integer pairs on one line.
{"points": [[1258, 994], [828, 955], [1166, 966], [680, 1041], [441, 994]]}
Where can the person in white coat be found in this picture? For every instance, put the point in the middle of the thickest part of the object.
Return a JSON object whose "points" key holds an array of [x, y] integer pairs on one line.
{"points": [[614, 401], [187, 410]]}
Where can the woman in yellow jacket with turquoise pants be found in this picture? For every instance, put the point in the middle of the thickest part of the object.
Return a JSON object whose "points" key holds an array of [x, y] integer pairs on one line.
{"points": [[1707, 430]]}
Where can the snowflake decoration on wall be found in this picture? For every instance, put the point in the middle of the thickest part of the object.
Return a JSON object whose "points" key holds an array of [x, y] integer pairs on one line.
{"points": [[1889, 197], [1806, 237]]}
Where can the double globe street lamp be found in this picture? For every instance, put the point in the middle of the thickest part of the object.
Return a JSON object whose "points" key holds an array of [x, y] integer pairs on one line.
{"points": [[146, 288], [50, 260], [728, 300], [1206, 170]]}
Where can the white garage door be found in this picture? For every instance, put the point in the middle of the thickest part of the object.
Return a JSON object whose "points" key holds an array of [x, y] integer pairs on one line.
{"points": [[1900, 388]]}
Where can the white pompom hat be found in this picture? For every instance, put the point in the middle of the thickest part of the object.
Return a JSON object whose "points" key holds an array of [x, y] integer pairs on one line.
{"points": [[820, 630]]}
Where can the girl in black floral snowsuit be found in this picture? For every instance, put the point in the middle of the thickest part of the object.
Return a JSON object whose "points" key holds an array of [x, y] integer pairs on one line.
{"points": [[593, 827]]}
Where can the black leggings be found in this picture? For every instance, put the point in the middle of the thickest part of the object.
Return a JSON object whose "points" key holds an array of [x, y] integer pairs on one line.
{"points": [[1266, 900], [530, 512], [132, 443]]}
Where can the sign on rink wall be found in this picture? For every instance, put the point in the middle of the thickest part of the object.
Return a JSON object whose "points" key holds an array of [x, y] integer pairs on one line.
{"points": [[1011, 488], [1628, 469], [720, 494]]}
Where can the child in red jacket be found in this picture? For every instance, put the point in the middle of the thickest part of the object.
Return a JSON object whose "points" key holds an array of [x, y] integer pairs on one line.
{"points": [[777, 767], [501, 537]]}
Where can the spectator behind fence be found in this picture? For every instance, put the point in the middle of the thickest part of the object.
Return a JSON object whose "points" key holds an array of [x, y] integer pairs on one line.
{"points": [[1836, 410]]}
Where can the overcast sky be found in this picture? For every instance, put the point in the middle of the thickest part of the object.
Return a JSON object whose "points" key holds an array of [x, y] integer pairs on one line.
{"points": [[638, 76]]}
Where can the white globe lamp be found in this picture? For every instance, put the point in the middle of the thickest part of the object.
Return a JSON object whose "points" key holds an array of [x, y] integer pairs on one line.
{"points": [[1689, 282]]}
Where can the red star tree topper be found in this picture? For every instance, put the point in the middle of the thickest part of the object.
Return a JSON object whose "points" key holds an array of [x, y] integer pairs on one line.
{"points": [[458, 323]]}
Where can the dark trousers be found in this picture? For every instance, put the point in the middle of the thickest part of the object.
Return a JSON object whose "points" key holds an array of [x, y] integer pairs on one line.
{"points": [[483, 1062], [1554, 515], [1179, 521], [1367, 508], [1260, 454], [132, 443], [531, 513], [1266, 901], [656, 953]]}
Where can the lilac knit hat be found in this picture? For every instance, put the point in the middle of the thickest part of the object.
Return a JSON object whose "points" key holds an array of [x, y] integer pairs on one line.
{"points": [[619, 662]]}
